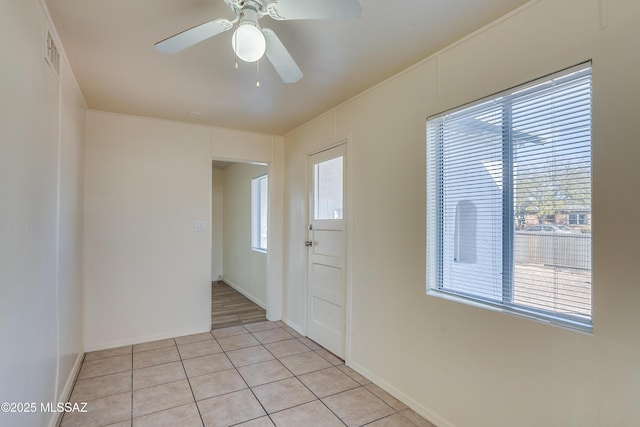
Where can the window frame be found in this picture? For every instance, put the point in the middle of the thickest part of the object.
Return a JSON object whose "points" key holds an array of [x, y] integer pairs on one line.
{"points": [[259, 219], [435, 224]]}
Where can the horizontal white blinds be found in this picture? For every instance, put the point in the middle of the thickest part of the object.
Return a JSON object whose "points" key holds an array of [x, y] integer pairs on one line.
{"points": [[505, 176]]}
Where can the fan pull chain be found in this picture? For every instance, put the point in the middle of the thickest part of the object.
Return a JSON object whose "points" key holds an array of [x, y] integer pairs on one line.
{"points": [[235, 55], [258, 73]]}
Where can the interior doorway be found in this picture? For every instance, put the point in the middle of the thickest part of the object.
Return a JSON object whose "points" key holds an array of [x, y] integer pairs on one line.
{"points": [[239, 242]]}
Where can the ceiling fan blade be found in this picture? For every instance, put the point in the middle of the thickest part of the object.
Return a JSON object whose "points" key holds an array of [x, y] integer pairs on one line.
{"points": [[188, 38], [314, 9], [280, 58]]}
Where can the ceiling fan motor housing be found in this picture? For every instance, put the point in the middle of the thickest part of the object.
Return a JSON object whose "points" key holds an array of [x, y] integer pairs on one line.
{"points": [[249, 16], [239, 6]]}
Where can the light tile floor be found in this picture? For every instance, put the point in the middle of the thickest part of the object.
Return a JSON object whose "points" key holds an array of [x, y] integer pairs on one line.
{"points": [[261, 374]]}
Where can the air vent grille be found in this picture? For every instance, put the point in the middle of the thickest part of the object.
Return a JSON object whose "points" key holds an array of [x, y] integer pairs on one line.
{"points": [[52, 56]]}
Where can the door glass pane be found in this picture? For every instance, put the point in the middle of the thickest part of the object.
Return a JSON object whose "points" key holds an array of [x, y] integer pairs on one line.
{"points": [[328, 189]]}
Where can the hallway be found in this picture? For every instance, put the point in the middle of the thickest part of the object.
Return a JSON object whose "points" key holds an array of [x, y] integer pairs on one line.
{"points": [[230, 308]]}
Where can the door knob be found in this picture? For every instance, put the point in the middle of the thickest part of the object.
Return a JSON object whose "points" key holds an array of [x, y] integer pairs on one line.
{"points": [[308, 243]]}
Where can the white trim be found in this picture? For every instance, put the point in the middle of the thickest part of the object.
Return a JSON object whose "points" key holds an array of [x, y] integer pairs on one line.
{"points": [[338, 143], [348, 250], [275, 294], [56, 418], [146, 338], [418, 408], [293, 326]]}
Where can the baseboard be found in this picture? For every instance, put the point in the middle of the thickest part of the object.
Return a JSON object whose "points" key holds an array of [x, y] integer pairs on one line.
{"points": [[56, 417], [146, 338], [418, 408], [294, 326], [245, 293]]}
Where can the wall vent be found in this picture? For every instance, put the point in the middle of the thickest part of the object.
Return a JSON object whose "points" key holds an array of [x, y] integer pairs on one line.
{"points": [[51, 54]]}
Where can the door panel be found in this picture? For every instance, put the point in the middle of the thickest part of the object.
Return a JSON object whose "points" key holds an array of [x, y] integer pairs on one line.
{"points": [[326, 280], [328, 316], [328, 243]]}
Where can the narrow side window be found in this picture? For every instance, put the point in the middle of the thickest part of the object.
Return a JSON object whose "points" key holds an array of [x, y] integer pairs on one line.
{"points": [[259, 212]]}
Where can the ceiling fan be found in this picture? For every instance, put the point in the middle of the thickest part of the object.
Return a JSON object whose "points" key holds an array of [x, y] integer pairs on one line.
{"points": [[250, 42]]}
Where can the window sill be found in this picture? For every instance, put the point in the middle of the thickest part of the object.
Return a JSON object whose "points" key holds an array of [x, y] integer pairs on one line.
{"points": [[519, 312]]}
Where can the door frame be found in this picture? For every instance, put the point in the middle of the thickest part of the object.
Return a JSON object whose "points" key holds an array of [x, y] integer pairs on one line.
{"points": [[348, 233], [275, 235]]}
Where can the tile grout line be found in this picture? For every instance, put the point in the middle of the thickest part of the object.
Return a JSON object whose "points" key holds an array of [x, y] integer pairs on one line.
{"points": [[250, 388], [195, 402], [243, 379], [293, 376], [252, 393], [283, 365], [133, 353], [317, 398], [321, 352], [160, 384]]}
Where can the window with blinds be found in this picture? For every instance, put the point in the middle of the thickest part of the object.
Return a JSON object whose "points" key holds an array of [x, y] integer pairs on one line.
{"points": [[509, 200]]}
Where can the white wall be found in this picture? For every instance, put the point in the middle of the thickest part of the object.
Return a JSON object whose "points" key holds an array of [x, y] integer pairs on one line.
{"points": [[460, 365], [41, 167], [244, 268], [147, 272]]}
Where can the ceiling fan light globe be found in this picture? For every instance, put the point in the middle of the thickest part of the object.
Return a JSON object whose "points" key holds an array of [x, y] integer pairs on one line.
{"points": [[248, 42]]}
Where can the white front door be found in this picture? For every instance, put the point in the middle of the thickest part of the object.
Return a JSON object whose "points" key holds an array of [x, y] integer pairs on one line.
{"points": [[326, 282]]}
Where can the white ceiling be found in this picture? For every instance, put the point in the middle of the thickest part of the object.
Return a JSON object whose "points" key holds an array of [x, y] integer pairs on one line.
{"points": [[110, 44]]}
